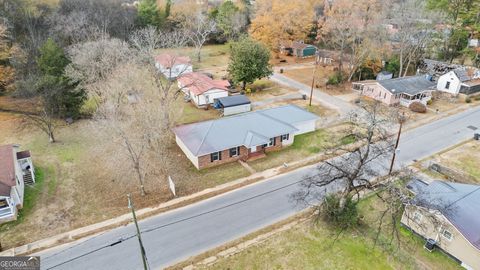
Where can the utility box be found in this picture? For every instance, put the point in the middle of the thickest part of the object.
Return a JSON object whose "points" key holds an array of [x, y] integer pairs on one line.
{"points": [[430, 244], [476, 136]]}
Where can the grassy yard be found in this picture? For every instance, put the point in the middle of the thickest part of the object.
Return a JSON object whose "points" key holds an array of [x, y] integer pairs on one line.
{"points": [[313, 246], [191, 114]]}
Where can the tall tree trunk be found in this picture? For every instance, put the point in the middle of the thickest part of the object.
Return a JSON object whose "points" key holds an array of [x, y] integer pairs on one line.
{"points": [[51, 138], [198, 52], [140, 178], [400, 63]]}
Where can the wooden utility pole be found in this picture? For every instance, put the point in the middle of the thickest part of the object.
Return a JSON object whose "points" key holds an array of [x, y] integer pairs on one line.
{"points": [[313, 79], [142, 249], [401, 120]]}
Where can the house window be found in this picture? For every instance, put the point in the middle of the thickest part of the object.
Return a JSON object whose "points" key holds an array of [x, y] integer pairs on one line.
{"points": [[271, 143], [447, 86], [417, 217], [215, 156], [384, 95], [235, 151], [284, 137], [18, 180], [448, 235]]}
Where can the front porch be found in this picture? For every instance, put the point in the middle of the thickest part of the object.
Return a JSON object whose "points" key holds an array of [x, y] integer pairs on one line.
{"points": [[7, 210], [406, 99]]}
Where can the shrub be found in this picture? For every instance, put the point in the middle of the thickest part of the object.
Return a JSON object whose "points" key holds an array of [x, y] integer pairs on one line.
{"points": [[468, 100], [335, 79], [343, 217], [417, 107], [477, 97], [260, 85], [429, 102]]}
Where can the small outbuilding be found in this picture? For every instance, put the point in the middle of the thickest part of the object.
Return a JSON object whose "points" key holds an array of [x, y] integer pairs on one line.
{"points": [[298, 49], [233, 104]]}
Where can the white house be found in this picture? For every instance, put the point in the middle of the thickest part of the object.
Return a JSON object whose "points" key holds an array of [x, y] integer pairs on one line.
{"points": [[201, 89], [460, 80], [16, 170], [173, 66]]}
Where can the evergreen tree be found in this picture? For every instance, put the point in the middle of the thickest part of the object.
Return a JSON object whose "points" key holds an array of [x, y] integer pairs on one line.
{"points": [[60, 97], [149, 14]]}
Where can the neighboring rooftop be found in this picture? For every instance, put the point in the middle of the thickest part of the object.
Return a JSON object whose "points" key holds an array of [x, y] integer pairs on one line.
{"points": [[7, 169], [233, 101], [466, 74], [247, 129], [459, 203], [436, 68], [410, 85], [169, 60], [199, 83]]}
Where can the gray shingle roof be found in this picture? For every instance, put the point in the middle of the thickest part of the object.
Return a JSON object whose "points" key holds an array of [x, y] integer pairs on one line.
{"points": [[459, 203], [248, 129], [411, 85], [233, 100], [465, 75]]}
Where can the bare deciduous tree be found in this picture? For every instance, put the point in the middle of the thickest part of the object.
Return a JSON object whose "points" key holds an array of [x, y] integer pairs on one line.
{"points": [[415, 24], [147, 39], [43, 121], [93, 62], [199, 29], [354, 171]]}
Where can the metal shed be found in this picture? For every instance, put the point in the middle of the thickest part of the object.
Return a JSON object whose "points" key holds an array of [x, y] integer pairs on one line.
{"points": [[233, 104]]}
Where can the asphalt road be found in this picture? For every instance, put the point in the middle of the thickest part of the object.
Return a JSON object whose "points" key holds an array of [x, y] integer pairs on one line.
{"points": [[176, 235]]}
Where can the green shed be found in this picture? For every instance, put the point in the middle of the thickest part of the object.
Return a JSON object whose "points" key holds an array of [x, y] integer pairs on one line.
{"points": [[300, 49]]}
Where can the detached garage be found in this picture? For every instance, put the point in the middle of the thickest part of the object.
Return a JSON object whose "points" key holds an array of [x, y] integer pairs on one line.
{"points": [[233, 104]]}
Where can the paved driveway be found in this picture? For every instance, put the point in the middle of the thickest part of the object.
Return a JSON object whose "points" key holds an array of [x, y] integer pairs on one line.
{"points": [[176, 235]]}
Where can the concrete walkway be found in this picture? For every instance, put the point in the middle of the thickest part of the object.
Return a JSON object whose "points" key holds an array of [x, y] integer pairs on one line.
{"points": [[323, 98]]}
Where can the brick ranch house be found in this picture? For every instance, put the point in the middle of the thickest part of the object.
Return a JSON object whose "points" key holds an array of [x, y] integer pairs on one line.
{"points": [[201, 89], [243, 136], [447, 213], [16, 170], [401, 91]]}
